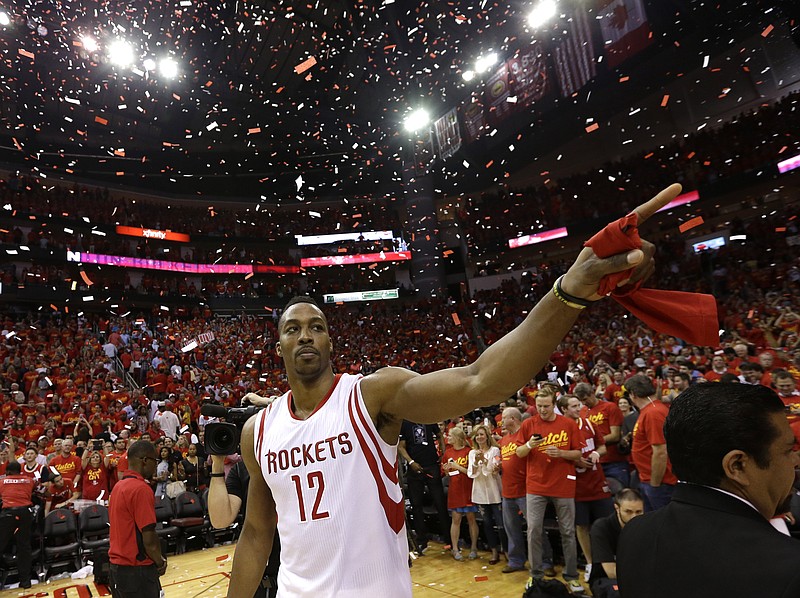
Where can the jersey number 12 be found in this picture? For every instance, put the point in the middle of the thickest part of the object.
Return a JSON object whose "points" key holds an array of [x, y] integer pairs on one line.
{"points": [[315, 480]]}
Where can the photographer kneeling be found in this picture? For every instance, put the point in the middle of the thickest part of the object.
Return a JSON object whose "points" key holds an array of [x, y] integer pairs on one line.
{"points": [[227, 496]]}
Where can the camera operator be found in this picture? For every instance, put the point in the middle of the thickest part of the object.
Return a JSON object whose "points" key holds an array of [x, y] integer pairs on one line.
{"points": [[228, 495]]}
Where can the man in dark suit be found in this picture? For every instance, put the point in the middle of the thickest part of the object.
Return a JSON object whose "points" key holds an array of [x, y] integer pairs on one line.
{"points": [[732, 449]]}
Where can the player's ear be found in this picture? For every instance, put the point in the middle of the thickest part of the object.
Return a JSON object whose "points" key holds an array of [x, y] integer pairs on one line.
{"points": [[278, 349]]}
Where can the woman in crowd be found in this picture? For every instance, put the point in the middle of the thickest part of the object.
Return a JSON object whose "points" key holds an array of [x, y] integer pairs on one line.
{"points": [[94, 476], [165, 471], [459, 494], [484, 469], [193, 471]]}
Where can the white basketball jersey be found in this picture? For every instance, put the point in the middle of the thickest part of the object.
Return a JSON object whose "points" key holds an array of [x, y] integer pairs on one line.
{"points": [[341, 515]]}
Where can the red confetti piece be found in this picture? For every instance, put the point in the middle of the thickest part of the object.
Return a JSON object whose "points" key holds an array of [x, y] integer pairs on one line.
{"points": [[25, 53], [780, 229], [690, 224], [750, 314], [456, 320], [489, 163], [623, 79], [222, 558], [481, 578], [254, 130], [119, 152], [767, 31], [305, 65], [592, 127], [664, 100], [86, 279]]}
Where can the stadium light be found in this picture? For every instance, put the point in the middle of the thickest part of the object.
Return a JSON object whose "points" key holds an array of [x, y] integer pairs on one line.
{"points": [[168, 68], [468, 75], [417, 120], [485, 62], [5, 20], [149, 64], [89, 44], [542, 12], [120, 53]]}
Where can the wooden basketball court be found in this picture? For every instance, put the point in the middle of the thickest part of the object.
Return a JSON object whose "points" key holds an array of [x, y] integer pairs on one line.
{"points": [[205, 573]]}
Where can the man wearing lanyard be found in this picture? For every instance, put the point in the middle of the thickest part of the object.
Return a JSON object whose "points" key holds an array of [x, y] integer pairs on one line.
{"points": [[134, 550], [16, 518]]}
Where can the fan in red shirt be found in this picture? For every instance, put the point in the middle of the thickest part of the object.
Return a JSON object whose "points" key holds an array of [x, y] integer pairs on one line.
{"points": [[649, 447], [67, 464], [552, 448], [514, 500], [592, 494], [718, 369], [459, 493], [94, 479], [606, 418]]}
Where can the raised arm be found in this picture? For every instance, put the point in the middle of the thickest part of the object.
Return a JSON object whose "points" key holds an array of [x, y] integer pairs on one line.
{"points": [[396, 394]]}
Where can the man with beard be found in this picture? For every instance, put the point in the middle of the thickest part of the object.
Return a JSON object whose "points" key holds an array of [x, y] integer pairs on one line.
{"points": [[732, 450]]}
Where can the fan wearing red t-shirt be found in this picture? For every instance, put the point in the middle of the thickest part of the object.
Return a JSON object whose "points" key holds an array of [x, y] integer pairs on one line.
{"points": [[514, 499], [592, 495], [606, 418], [67, 464], [552, 448], [459, 492], [649, 447], [94, 479]]}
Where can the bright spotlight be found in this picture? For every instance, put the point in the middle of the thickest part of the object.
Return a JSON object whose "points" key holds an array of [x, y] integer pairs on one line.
{"points": [[484, 63], [5, 20], [89, 44], [168, 68], [120, 53], [417, 120], [542, 12], [149, 64], [468, 75]]}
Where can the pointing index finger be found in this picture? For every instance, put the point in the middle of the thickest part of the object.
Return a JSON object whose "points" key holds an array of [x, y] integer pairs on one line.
{"points": [[665, 196]]}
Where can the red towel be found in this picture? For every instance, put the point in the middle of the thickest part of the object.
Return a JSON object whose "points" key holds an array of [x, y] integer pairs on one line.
{"points": [[690, 316]]}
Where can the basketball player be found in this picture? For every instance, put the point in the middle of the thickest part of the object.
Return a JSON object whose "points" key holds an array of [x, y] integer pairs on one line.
{"points": [[323, 457]]}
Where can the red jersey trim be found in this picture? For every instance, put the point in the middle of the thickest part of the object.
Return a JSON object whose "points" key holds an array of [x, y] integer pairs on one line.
{"points": [[318, 407], [388, 468], [395, 516]]}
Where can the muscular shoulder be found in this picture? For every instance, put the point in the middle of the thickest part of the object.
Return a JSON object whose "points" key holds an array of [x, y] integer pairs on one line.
{"points": [[381, 389]]}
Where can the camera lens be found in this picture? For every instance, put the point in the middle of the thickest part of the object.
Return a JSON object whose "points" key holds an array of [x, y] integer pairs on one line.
{"points": [[221, 438]]}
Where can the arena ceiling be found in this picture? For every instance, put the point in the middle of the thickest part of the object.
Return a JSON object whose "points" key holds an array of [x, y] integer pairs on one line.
{"points": [[267, 92]]}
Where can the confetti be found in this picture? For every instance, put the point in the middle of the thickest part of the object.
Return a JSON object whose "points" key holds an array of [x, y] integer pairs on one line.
{"points": [[690, 224], [305, 65], [592, 127], [767, 31]]}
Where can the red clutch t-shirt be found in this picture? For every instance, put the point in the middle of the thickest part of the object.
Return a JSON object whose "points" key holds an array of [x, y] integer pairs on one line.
{"points": [[591, 484], [459, 494], [548, 476], [513, 468], [649, 430], [94, 481], [69, 467], [602, 416]]}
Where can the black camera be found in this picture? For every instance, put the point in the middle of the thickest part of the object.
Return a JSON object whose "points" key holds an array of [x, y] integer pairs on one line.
{"points": [[222, 438]]}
